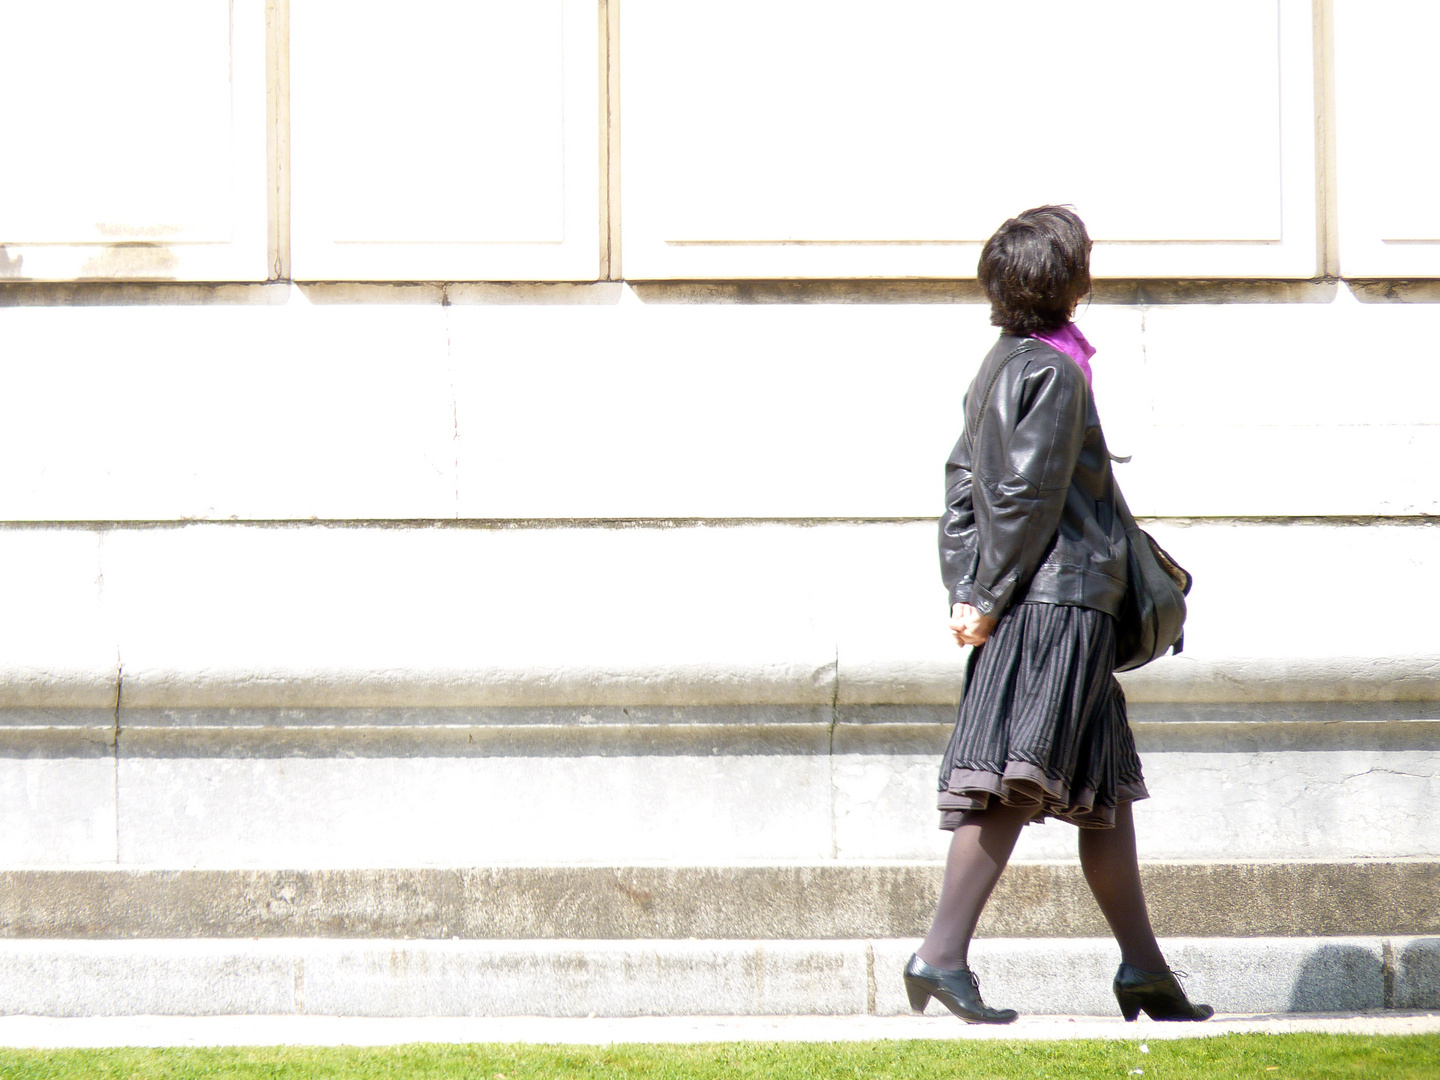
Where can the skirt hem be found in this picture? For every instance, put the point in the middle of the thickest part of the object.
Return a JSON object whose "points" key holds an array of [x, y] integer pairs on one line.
{"points": [[1025, 784]]}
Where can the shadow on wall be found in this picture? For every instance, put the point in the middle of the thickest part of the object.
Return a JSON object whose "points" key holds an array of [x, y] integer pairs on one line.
{"points": [[1339, 978], [1417, 974]]}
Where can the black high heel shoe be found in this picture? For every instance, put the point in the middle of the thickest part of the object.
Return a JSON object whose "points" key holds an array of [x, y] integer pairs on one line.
{"points": [[958, 990], [1159, 993]]}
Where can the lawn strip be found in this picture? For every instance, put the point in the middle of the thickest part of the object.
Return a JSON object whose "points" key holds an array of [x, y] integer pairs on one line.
{"points": [[1300, 1056]]}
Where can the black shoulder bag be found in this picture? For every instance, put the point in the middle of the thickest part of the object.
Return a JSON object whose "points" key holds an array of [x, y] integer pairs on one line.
{"points": [[1152, 615]]}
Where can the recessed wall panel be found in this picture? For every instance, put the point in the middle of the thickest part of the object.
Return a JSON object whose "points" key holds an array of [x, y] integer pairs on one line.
{"points": [[1387, 138], [817, 139], [445, 139], [134, 140]]}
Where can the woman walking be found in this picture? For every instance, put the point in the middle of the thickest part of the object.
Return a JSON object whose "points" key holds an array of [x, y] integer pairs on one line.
{"points": [[1033, 554]]}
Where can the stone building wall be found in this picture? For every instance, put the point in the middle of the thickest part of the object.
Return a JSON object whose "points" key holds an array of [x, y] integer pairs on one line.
{"points": [[472, 434]]}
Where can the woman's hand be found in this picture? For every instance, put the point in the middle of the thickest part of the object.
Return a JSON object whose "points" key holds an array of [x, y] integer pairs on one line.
{"points": [[969, 626]]}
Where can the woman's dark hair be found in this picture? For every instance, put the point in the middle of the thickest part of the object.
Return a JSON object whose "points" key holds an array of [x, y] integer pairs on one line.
{"points": [[1035, 269]]}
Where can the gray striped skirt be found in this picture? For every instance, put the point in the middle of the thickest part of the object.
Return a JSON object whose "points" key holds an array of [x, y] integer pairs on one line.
{"points": [[1043, 722]]}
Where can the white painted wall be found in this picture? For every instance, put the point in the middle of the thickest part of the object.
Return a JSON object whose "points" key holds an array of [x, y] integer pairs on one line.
{"points": [[607, 402]]}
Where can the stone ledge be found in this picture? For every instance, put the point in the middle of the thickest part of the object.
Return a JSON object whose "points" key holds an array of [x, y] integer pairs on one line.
{"points": [[639, 978], [643, 731], [558, 681], [208, 616], [1040, 900]]}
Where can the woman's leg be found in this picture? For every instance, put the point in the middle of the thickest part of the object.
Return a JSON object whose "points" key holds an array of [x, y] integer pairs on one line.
{"points": [[979, 850], [1112, 871]]}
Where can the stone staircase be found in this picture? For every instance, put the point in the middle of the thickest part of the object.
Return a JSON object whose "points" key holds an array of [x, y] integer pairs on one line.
{"points": [[1257, 937], [667, 770]]}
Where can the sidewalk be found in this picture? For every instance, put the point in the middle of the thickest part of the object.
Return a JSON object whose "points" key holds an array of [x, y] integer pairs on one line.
{"points": [[33, 1031]]}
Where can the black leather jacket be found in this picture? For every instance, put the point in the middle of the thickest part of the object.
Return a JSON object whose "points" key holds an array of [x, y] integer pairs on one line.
{"points": [[1032, 515]]}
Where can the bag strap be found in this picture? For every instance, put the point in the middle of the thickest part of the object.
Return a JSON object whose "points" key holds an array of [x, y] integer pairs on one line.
{"points": [[1023, 347]]}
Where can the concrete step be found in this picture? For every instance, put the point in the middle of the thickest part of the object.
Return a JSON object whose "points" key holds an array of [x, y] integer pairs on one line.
{"points": [[819, 901], [290, 976]]}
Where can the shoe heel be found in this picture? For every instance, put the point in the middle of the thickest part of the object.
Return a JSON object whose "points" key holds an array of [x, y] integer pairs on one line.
{"points": [[918, 995], [1129, 1004]]}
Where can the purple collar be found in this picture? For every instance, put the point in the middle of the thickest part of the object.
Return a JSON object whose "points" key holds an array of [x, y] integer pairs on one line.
{"points": [[1069, 340]]}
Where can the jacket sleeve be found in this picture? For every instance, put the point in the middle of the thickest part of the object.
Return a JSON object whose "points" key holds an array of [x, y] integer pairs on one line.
{"points": [[1025, 484], [959, 541]]}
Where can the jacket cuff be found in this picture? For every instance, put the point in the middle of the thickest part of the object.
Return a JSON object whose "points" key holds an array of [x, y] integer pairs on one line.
{"points": [[985, 602]]}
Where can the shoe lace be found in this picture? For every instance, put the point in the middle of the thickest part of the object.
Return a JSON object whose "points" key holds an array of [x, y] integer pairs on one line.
{"points": [[1179, 974]]}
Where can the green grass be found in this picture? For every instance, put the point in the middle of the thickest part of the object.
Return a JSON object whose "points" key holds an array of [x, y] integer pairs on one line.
{"points": [[1283, 1057]]}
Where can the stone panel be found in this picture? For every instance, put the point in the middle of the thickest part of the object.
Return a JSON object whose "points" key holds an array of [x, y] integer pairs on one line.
{"points": [[57, 640], [763, 155], [142, 152], [476, 157], [274, 409], [1289, 804], [1213, 449], [465, 811], [1389, 226], [57, 796]]}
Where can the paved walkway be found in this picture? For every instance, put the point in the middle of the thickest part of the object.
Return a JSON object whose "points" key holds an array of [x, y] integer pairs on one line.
{"points": [[41, 1031]]}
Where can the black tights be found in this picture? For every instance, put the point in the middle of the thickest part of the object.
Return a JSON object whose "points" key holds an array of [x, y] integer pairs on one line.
{"points": [[979, 851]]}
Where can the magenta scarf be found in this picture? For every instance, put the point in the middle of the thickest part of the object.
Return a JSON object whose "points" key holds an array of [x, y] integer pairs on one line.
{"points": [[1069, 340]]}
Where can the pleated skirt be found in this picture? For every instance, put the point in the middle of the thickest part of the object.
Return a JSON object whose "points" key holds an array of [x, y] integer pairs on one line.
{"points": [[1043, 722]]}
